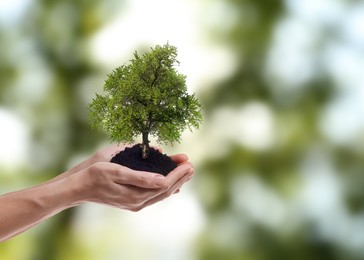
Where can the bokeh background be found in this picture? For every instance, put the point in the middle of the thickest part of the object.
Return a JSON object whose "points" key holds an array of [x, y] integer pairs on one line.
{"points": [[280, 155]]}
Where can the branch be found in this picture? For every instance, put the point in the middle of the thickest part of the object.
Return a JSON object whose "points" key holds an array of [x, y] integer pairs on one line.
{"points": [[156, 75], [141, 102], [150, 120]]}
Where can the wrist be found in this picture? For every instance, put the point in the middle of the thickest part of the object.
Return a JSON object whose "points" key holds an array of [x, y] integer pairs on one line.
{"points": [[56, 196]]}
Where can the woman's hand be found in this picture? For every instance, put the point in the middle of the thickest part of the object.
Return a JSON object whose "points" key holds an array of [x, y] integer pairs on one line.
{"points": [[93, 180], [121, 187], [105, 155]]}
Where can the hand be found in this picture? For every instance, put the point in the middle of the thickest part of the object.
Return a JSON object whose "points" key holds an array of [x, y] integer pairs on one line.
{"points": [[118, 186], [136, 189], [93, 180], [105, 155]]}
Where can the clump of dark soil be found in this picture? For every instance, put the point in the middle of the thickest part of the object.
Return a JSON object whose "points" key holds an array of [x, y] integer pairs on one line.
{"points": [[156, 161]]}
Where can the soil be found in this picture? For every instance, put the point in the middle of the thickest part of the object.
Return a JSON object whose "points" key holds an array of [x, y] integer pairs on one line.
{"points": [[156, 161]]}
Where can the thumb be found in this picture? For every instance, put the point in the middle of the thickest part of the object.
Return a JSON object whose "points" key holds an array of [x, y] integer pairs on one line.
{"points": [[142, 179]]}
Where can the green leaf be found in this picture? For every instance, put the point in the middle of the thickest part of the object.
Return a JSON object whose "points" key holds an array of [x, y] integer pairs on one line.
{"points": [[147, 95]]}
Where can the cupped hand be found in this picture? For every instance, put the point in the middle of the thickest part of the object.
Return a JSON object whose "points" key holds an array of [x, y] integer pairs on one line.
{"points": [[119, 186], [105, 155], [94, 180]]}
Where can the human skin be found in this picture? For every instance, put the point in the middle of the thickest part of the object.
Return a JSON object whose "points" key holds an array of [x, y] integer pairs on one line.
{"points": [[93, 180]]}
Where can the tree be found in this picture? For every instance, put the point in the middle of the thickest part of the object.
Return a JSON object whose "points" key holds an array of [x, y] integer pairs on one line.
{"points": [[148, 96]]}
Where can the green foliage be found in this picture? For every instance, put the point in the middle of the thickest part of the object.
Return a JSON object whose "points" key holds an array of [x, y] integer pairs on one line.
{"points": [[147, 96], [61, 31]]}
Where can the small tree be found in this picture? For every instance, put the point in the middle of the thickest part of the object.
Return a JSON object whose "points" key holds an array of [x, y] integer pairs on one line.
{"points": [[146, 97]]}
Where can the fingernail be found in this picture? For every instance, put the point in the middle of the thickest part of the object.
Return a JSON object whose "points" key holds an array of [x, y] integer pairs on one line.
{"points": [[159, 180]]}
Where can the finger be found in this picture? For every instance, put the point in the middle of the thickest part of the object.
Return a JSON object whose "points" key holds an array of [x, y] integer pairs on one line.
{"points": [[170, 183], [113, 150], [177, 174], [174, 189], [155, 195], [179, 158], [179, 183], [105, 154], [141, 179]]}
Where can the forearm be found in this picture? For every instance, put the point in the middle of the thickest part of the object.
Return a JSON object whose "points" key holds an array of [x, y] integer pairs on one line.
{"points": [[82, 165], [23, 209]]}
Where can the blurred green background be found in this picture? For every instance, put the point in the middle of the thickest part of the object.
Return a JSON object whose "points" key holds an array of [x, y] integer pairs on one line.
{"points": [[279, 158]]}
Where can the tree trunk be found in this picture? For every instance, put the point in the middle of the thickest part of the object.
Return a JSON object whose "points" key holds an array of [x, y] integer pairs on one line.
{"points": [[145, 145]]}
